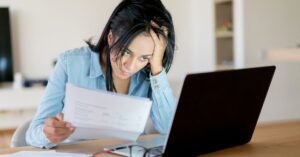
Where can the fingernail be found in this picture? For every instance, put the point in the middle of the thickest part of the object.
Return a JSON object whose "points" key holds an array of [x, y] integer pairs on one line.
{"points": [[69, 124]]}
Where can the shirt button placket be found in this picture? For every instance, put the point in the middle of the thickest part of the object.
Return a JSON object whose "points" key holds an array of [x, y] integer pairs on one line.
{"points": [[156, 86]]}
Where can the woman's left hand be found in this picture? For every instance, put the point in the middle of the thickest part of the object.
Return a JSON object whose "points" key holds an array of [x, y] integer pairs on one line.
{"points": [[159, 49]]}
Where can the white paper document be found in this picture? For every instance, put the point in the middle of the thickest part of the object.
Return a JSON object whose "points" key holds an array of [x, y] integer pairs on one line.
{"points": [[51, 153], [101, 115]]}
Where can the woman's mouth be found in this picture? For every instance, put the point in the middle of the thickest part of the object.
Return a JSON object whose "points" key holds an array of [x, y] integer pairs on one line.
{"points": [[125, 73]]}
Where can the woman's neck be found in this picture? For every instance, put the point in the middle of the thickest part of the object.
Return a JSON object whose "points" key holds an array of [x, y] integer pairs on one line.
{"points": [[122, 86]]}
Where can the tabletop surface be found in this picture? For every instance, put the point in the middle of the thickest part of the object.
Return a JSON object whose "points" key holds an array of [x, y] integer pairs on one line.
{"points": [[274, 139]]}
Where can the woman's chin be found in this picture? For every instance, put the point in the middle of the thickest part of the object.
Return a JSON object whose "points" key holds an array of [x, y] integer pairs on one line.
{"points": [[124, 76]]}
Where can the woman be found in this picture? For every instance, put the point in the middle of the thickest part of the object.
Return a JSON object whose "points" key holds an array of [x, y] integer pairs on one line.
{"points": [[133, 54]]}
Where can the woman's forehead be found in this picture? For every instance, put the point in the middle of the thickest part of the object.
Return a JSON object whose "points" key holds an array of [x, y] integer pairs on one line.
{"points": [[142, 44]]}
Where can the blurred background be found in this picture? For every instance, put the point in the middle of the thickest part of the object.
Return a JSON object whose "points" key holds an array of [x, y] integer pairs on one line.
{"points": [[211, 35]]}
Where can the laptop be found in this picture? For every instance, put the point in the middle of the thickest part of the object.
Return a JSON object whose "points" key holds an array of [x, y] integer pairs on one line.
{"points": [[216, 110]]}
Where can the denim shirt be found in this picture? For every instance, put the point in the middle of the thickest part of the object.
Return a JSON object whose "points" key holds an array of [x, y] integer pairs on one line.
{"points": [[81, 67]]}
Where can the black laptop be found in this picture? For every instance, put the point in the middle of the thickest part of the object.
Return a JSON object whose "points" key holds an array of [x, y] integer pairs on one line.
{"points": [[216, 110]]}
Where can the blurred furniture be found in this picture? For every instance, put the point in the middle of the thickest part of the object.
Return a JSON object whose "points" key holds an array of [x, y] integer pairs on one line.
{"points": [[19, 136], [229, 34], [5, 137], [224, 34], [17, 106]]}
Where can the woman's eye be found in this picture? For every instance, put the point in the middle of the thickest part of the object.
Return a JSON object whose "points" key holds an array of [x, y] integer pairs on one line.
{"points": [[143, 59], [126, 53]]}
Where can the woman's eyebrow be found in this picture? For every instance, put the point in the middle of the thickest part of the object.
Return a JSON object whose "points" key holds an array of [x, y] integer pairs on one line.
{"points": [[145, 55], [149, 55], [127, 49]]}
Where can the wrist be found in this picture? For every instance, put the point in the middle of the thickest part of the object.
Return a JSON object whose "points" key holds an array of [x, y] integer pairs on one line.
{"points": [[155, 70]]}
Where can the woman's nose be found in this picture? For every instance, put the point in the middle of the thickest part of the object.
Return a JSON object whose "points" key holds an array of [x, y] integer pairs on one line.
{"points": [[129, 64]]}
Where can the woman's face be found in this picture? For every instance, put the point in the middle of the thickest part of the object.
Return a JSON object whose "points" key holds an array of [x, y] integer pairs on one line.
{"points": [[135, 58]]}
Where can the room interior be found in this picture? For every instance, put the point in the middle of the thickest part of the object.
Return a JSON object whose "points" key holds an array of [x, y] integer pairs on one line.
{"points": [[210, 34]]}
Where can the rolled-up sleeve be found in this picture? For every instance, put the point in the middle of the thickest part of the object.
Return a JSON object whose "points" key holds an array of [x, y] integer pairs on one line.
{"points": [[163, 106], [51, 104]]}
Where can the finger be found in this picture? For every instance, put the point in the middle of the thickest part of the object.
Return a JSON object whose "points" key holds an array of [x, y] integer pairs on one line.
{"points": [[165, 30], [57, 139], [163, 40], [60, 116], [54, 122], [53, 139], [159, 40], [154, 24], [69, 125], [58, 131], [154, 36]]}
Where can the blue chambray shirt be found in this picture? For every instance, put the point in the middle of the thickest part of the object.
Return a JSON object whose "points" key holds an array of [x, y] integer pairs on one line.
{"points": [[81, 67]]}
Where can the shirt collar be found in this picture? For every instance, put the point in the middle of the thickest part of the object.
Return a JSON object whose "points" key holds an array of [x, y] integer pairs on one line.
{"points": [[139, 76], [95, 67]]}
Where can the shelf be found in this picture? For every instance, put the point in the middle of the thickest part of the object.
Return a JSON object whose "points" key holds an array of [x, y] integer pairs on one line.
{"points": [[222, 1], [284, 55], [16, 99], [226, 34], [13, 119]]}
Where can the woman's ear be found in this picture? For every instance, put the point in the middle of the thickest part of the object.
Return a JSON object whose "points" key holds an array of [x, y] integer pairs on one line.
{"points": [[110, 38]]}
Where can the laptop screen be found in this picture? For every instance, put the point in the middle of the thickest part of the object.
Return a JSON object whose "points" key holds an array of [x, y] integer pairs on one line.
{"points": [[218, 110]]}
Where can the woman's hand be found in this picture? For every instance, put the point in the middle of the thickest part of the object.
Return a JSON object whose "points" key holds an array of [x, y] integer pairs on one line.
{"points": [[160, 46], [57, 130]]}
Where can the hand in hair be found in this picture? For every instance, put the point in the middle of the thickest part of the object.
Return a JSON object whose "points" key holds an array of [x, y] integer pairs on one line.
{"points": [[160, 42]]}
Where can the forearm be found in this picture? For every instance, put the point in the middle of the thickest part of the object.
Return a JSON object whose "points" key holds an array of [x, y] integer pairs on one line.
{"points": [[36, 137], [52, 104], [156, 69], [164, 105]]}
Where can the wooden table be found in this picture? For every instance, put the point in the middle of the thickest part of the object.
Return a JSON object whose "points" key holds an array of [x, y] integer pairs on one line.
{"points": [[275, 139]]}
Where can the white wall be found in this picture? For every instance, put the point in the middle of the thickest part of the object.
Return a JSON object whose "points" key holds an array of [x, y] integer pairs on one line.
{"points": [[272, 24], [41, 29], [193, 20]]}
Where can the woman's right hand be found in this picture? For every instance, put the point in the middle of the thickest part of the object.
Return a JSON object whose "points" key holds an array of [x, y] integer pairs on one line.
{"points": [[57, 130]]}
